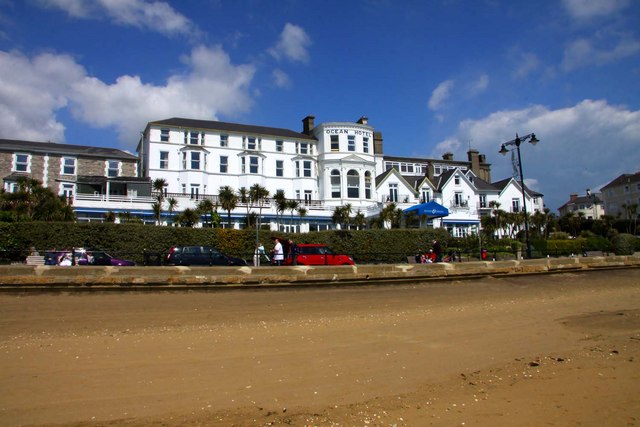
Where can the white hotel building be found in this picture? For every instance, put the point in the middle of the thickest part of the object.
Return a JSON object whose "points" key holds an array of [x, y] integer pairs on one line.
{"points": [[322, 167]]}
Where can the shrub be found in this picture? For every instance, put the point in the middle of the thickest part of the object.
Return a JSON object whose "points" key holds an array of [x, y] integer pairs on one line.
{"points": [[624, 244]]}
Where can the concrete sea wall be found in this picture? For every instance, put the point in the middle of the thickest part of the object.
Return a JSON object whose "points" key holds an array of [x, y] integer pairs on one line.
{"points": [[80, 278]]}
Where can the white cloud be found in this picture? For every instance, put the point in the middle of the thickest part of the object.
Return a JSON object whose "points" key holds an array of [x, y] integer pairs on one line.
{"points": [[588, 9], [281, 79], [580, 147], [440, 94], [156, 15], [32, 91], [583, 52], [526, 64], [292, 45], [35, 89], [480, 85]]}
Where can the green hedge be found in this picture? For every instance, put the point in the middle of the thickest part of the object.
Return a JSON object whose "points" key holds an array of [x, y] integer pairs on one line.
{"points": [[131, 241]]}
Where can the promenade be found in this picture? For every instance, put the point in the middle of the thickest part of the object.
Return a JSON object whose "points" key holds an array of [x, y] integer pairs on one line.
{"points": [[91, 278]]}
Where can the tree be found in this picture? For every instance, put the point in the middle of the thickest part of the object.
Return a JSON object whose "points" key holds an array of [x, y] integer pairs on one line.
{"points": [[173, 204], [188, 218], [244, 197], [206, 207], [359, 220], [258, 195], [156, 207], [228, 201], [33, 202], [281, 204], [292, 205]]}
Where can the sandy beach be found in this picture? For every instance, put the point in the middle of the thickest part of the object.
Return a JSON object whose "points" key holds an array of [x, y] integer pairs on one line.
{"points": [[558, 349]]}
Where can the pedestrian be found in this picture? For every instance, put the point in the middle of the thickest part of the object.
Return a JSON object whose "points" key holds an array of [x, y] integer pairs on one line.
{"points": [[278, 253], [437, 249], [293, 252]]}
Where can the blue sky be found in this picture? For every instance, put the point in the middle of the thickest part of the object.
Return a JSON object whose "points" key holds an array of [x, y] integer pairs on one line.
{"points": [[432, 76]]}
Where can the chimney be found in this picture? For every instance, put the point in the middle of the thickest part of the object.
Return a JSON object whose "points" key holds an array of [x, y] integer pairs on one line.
{"points": [[573, 197], [308, 124], [447, 156], [474, 157], [364, 120], [431, 172], [377, 143]]}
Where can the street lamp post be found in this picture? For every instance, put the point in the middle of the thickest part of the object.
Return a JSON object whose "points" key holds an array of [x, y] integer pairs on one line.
{"points": [[531, 138]]}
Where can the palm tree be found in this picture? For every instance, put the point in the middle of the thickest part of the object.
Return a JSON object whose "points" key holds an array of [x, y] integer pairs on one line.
{"points": [[188, 218], [292, 205], [387, 215], [281, 204], [110, 216], [156, 207], [158, 186], [206, 206], [244, 197], [348, 210], [302, 212], [359, 220], [258, 195], [173, 204], [228, 201]]}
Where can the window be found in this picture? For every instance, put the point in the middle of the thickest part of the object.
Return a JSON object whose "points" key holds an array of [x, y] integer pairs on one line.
{"points": [[307, 196], [335, 183], [113, 168], [253, 164], [351, 143], [164, 160], [365, 145], [195, 160], [483, 200], [304, 148], [279, 145], [224, 140], [367, 185], [243, 164], [68, 166], [393, 193], [515, 205], [68, 190], [224, 164], [195, 191], [335, 143], [353, 184], [306, 166], [458, 199], [297, 169], [437, 170], [21, 163], [279, 168], [426, 196], [251, 143], [393, 165], [164, 135], [193, 138]]}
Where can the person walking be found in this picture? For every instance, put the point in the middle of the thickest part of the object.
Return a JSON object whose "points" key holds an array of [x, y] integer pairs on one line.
{"points": [[278, 253], [293, 252], [437, 249]]}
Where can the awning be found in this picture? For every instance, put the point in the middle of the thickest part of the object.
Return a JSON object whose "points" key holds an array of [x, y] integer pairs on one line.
{"points": [[430, 209]]}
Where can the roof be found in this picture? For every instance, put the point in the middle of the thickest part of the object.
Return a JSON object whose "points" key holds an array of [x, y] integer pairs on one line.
{"points": [[231, 127], [425, 160], [64, 149], [504, 182], [625, 178]]}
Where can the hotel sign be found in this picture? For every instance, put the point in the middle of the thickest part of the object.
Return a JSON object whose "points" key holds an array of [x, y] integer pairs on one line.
{"points": [[338, 131]]}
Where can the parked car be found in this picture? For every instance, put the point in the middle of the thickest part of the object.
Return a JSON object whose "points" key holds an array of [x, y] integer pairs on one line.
{"points": [[200, 255], [85, 257], [319, 254]]}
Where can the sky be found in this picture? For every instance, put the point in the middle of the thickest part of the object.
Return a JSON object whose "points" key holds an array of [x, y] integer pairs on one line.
{"points": [[433, 76]]}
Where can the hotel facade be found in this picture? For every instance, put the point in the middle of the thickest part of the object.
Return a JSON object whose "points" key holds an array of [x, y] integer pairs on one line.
{"points": [[321, 167]]}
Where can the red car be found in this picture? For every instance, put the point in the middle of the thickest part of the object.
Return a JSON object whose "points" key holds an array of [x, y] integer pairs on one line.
{"points": [[319, 254]]}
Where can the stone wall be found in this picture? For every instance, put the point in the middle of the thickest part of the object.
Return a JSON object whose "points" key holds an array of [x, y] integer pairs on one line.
{"points": [[80, 278]]}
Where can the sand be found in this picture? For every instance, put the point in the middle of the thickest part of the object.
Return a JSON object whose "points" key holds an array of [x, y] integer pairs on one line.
{"points": [[560, 349]]}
